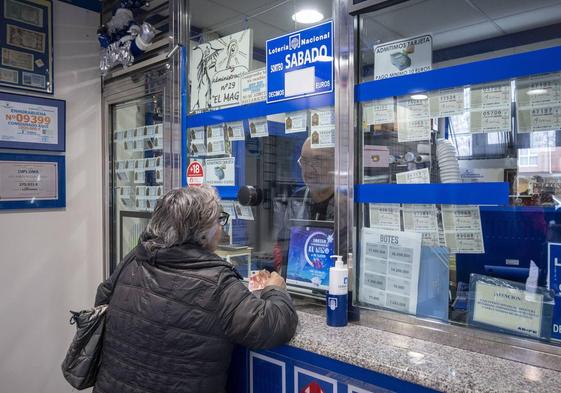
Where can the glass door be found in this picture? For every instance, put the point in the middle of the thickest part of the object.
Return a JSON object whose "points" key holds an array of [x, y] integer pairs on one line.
{"points": [[138, 168]]}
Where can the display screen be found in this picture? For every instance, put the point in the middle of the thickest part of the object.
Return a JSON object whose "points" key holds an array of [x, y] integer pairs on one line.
{"points": [[309, 256]]}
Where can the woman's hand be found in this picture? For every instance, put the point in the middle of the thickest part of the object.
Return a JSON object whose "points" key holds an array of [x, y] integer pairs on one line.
{"points": [[258, 280]]}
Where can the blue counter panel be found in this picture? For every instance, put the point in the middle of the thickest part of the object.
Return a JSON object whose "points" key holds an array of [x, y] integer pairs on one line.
{"points": [[291, 370]]}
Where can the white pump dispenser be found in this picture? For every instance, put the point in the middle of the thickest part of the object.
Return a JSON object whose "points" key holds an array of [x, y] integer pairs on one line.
{"points": [[337, 296]]}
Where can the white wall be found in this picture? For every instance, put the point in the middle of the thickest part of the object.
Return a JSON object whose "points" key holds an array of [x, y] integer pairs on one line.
{"points": [[51, 261]]}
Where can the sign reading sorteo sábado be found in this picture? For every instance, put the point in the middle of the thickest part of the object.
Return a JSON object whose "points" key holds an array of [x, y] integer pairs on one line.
{"points": [[402, 57], [300, 64]]}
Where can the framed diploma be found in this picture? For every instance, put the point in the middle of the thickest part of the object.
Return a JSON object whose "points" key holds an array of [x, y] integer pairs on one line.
{"points": [[26, 43], [510, 307], [34, 123], [29, 181]]}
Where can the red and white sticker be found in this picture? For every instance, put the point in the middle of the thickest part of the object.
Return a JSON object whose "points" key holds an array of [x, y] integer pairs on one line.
{"points": [[195, 174]]}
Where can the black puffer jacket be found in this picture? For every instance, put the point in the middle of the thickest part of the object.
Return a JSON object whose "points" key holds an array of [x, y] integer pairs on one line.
{"points": [[174, 317]]}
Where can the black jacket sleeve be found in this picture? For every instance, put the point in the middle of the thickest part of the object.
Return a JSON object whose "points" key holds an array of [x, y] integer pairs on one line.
{"points": [[253, 322], [105, 289]]}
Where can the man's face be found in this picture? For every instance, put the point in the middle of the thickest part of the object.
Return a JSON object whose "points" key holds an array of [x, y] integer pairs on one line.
{"points": [[317, 167]]}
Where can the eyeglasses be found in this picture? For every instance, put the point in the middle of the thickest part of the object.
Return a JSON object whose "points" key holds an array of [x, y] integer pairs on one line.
{"points": [[223, 218]]}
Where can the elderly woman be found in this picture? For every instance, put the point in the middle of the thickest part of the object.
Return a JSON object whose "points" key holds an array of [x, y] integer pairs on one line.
{"points": [[178, 309]]}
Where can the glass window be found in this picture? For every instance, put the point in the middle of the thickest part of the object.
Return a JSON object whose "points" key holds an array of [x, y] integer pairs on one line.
{"points": [[274, 168], [468, 232]]}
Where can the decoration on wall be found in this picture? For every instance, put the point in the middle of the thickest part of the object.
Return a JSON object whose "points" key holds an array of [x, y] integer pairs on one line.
{"points": [[123, 39], [216, 69], [26, 45], [30, 181], [35, 123]]}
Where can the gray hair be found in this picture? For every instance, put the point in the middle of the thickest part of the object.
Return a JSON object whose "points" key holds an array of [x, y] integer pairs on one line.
{"points": [[182, 216]]}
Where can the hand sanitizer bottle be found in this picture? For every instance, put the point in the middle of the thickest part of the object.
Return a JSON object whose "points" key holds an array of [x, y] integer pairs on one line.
{"points": [[337, 296]]}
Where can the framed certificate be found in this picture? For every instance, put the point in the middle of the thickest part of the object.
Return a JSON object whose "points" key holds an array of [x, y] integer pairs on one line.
{"points": [[32, 181], [34, 123], [26, 43]]}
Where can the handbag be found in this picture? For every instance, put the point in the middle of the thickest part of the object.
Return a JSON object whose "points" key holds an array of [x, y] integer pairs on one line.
{"points": [[83, 358]]}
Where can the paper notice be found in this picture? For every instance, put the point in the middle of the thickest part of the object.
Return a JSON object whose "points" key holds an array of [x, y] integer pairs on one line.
{"points": [[539, 90], [385, 216], [390, 262], [215, 132], [323, 128], [490, 96], [447, 102], [216, 147], [296, 122], [235, 131], [422, 219], [380, 111], [253, 86], [196, 134], [323, 137], [539, 119], [243, 212], [462, 229], [413, 120], [220, 171], [491, 120], [414, 177], [258, 127]]}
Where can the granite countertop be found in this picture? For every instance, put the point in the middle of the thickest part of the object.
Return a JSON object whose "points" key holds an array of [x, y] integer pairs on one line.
{"points": [[436, 366]]}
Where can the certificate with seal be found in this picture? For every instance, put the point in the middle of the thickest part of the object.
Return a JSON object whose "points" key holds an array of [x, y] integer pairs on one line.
{"points": [[31, 181]]}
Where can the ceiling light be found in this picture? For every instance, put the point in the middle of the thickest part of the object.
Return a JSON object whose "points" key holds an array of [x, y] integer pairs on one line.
{"points": [[307, 16], [536, 92], [419, 97]]}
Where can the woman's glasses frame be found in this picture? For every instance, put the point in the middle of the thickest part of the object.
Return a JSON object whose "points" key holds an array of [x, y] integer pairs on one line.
{"points": [[223, 218]]}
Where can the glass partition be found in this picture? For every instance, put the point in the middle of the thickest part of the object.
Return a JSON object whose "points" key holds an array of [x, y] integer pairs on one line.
{"points": [[272, 163], [459, 164]]}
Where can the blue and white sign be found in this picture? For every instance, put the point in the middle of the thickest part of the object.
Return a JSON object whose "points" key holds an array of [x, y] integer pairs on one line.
{"points": [[300, 64], [309, 256], [554, 283]]}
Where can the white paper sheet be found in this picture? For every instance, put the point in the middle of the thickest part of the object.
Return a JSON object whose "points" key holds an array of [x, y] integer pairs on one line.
{"points": [[390, 264]]}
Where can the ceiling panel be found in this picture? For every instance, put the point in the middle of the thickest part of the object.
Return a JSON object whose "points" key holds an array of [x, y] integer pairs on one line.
{"points": [[281, 17], [376, 33], [530, 20], [248, 7], [261, 32], [205, 14], [429, 16], [464, 35], [500, 8]]}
